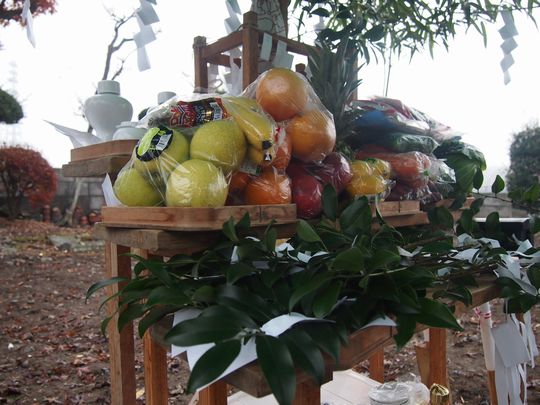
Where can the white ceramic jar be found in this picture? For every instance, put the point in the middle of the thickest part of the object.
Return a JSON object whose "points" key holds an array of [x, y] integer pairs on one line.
{"points": [[106, 110], [128, 130]]}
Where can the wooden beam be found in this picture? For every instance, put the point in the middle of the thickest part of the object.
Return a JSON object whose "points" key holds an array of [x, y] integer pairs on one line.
{"points": [[250, 49], [200, 65], [376, 365], [214, 394], [438, 372], [231, 41], [95, 167], [307, 393], [121, 343]]}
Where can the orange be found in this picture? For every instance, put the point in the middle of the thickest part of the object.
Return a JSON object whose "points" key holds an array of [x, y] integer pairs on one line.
{"points": [[271, 187], [313, 136], [238, 182], [282, 93], [283, 154]]}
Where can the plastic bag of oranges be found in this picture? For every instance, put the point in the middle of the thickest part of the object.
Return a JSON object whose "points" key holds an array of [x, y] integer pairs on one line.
{"points": [[290, 100]]}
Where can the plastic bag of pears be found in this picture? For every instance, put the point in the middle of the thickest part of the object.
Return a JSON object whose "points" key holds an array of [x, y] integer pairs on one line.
{"points": [[191, 150]]}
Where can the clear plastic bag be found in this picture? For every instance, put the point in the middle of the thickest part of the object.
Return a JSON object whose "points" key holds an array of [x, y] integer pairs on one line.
{"points": [[291, 101]]}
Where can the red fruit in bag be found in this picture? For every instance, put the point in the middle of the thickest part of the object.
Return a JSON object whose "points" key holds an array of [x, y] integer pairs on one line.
{"points": [[307, 194], [334, 170]]}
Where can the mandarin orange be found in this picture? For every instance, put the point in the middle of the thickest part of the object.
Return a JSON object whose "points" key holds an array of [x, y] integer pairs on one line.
{"points": [[282, 155], [282, 93], [313, 136], [271, 187]]}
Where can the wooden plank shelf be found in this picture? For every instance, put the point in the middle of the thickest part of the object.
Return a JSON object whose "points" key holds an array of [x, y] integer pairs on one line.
{"points": [[99, 159]]}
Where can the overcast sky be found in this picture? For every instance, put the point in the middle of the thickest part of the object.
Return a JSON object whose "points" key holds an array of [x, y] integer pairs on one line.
{"points": [[462, 88]]}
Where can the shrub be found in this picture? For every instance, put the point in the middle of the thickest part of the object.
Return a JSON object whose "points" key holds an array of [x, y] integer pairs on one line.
{"points": [[25, 174], [10, 110]]}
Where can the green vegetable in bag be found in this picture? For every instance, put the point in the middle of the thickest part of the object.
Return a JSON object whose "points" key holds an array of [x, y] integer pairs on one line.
{"points": [[402, 142]]}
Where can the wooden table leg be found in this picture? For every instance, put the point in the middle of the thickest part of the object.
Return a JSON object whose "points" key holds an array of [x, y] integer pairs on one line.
{"points": [[307, 393], [155, 372], [376, 366], [438, 372], [155, 360], [214, 394], [121, 344]]}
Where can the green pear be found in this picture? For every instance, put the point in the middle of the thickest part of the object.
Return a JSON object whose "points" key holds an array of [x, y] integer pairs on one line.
{"points": [[221, 142], [196, 183], [134, 190], [159, 151]]}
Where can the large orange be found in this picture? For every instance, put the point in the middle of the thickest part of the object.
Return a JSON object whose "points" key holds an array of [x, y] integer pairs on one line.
{"points": [[282, 93], [313, 136], [283, 154], [271, 187]]}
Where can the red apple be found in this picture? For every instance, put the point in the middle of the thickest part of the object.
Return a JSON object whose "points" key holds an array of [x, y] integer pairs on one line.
{"points": [[334, 170], [296, 168], [306, 194]]}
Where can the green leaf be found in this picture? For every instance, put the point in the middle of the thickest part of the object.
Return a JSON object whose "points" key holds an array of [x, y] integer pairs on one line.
{"points": [[535, 224], [306, 232], [478, 179], [129, 314], [167, 296], [458, 202], [437, 315], [213, 363], [376, 33], [244, 223], [507, 278], [466, 221], [153, 316], [227, 312], [322, 12], [382, 259], [237, 271], [492, 223], [246, 301], [305, 353], [349, 260], [278, 367], [103, 283], [458, 293], [205, 293], [406, 327], [330, 202], [498, 185], [325, 301], [438, 247], [229, 230], [207, 329], [270, 238], [356, 218], [104, 324], [441, 216], [307, 288], [532, 193], [476, 205], [324, 335]]}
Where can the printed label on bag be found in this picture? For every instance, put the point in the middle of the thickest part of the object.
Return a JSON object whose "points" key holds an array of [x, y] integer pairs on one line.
{"points": [[153, 143]]}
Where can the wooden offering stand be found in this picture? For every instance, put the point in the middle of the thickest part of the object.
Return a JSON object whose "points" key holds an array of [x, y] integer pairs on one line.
{"points": [[99, 159], [163, 232]]}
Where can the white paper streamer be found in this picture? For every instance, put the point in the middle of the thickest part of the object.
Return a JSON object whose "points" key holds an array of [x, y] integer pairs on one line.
{"points": [[143, 63], [507, 32], [282, 58], [145, 16], [484, 315], [146, 13], [266, 47], [29, 21], [108, 193], [77, 138]]}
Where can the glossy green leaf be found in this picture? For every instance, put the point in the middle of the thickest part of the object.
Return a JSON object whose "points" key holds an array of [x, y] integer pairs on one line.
{"points": [[237, 271], [307, 288], [229, 230], [406, 327], [437, 247], [325, 336], [103, 283], [478, 179], [205, 293], [208, 329], [129, 314], [305, 353], [278, 367], [330, 202], [153, 316], [306, 232], [349, 260], [498, 185], [441, 216], [492, 223], [167, 296], [326, 300], [382, 259], [437, 315], [247, 301], [213, 363]]}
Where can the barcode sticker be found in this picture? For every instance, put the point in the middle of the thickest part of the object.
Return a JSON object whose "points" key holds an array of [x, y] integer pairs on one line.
{"points": [[218, 112], [163, 141]]}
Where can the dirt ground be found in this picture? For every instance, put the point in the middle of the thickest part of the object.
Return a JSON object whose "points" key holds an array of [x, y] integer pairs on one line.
{"points": [[52, 352]]}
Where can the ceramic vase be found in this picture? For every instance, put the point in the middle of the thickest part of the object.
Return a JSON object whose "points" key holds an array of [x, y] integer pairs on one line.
{"points": [[106, 110]]}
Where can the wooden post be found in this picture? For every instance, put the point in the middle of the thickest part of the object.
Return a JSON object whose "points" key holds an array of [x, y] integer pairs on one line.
{"points": [[250, 49], [307, 393], [422, 361], [155, 361], [201, 65], [121, 344], [438, 372], [214, 394], [376, 366]]}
